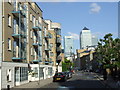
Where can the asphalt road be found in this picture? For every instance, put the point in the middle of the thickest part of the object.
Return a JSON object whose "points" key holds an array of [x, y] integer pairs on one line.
{"points": [[78, 80]]}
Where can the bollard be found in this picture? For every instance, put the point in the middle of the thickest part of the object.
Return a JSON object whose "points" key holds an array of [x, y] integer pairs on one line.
{"points": [[8, 87]]}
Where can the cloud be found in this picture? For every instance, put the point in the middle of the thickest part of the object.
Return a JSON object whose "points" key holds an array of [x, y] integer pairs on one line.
{"points": [[95, 8], [75, 36]]}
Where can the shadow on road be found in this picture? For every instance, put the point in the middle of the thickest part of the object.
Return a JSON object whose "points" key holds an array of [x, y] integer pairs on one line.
{"points": [[82, 84]]}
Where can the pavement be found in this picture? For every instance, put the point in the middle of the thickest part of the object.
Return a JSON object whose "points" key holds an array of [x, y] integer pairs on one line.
{"points": [[35, 84], [109, 83]]}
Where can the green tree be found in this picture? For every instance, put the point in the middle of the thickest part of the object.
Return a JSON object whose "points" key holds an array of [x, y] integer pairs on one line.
{"points": [[108, 52]]}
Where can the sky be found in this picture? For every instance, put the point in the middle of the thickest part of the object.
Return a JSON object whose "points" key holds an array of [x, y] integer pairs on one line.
{"points": [[100, 17]]}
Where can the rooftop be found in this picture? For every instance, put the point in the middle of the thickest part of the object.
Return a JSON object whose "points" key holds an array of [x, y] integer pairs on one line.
{"points": [[85, 28]]}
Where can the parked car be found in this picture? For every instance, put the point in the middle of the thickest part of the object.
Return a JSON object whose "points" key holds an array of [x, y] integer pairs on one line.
{"points": [[59, 76], [68, 74]]}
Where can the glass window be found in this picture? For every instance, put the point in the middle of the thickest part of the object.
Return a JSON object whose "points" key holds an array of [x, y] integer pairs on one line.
{"points": [[9, 44], [31, 34], [30, 17], [51, 53], [31, 51], [9, 20]]}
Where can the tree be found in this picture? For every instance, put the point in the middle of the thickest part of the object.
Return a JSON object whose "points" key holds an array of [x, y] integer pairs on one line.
{"points": [[66, 65], [108, 52]]}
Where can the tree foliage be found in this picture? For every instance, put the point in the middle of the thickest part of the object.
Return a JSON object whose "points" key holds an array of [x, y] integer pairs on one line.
{"points": [[108, 51]]}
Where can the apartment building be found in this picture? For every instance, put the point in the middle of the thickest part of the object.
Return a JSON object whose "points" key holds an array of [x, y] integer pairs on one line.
{"points": [[34, 39], [14, 61], [55, 45], [27, 44]]}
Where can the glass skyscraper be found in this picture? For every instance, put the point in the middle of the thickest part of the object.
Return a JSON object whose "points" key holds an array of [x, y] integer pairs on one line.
{"points": [[85, 38], [68, 45], [94, 40]]}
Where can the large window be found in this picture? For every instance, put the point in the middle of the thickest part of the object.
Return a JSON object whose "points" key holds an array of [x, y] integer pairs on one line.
{"points": [[31, 34], [23, 73], [9, 20], [51, 53], [31, 51], [30, 17], [9, 44]]}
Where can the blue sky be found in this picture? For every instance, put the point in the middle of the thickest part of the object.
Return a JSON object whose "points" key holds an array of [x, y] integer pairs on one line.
{"points": [[99, 17]]}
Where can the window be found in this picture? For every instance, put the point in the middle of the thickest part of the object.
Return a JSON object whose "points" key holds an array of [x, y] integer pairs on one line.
{"points": [[31, 51], [51, 54], [9, 44], [30, 17], [9, 75], [36, 22], [9, 21], [31, 34]]}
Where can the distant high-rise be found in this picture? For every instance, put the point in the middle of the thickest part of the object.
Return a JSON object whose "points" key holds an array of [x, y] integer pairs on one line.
{"points": [[85, 38], [68, 45]]}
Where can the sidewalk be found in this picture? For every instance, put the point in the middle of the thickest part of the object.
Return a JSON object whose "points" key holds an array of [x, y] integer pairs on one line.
{"points": [[109, 83], [35, 84]]}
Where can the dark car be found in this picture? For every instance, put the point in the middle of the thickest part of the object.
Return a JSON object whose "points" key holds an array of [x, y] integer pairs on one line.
{"points": [[59, 76], [68, 74]]}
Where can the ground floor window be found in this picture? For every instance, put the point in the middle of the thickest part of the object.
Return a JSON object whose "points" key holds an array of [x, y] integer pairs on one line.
{"points": [[41, 72], [21, 74], [50, 71], [35, 72]]}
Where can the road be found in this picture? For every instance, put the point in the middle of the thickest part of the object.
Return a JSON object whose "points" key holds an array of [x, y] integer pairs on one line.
{"points": [[78, 80]]}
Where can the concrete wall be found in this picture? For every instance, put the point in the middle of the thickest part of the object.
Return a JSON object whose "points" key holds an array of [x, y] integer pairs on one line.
{"points": [[11, 66]]}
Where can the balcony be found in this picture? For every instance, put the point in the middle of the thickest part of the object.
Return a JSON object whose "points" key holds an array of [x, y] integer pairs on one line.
{"points": [[46, 49], [47, 62], [36, 61], [58, 49], [46, 37], [17, 59], [36, 28], [19, 13], [17, 36], [58, 41], [35, 44]]}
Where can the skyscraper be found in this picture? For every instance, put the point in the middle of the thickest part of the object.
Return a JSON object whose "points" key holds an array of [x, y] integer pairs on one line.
{"points": [[85, 38], [94, 40], [68, 45]]}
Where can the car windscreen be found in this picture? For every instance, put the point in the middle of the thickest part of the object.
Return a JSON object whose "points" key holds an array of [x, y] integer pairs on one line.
{"points": [[58, 74]]}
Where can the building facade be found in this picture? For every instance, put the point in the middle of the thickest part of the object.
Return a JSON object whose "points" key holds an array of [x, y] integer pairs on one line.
{"points": [[94, 40], [27, 44], [85, 38], [68, 45], [14, 61], [55, 44]]}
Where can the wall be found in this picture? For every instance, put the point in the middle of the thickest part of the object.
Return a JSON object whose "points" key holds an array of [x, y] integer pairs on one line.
{"points": [[5, 67]]}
